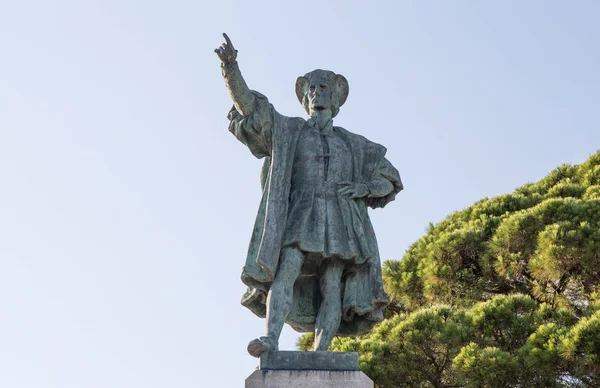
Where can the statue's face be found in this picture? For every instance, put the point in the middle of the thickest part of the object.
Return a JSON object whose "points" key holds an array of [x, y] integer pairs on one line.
{"points": [[319, 95], [322, 90]]}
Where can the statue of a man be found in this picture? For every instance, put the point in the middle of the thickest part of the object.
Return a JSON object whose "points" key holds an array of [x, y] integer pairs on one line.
{"points": [[313, 260]]}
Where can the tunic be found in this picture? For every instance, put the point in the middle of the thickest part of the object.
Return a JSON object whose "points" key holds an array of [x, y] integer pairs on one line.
{"points": [[315, 221]]}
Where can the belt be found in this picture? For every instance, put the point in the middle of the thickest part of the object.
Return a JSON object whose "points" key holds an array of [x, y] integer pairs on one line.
{"points": [[322, 189]]}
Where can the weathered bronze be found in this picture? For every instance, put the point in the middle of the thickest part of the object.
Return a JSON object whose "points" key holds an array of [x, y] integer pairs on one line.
{"points": [[313, 260]]}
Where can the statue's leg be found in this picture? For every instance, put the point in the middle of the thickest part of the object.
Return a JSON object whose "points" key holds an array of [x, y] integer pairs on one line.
{"points": [[281, 294], [279, 300], [330, 311]]}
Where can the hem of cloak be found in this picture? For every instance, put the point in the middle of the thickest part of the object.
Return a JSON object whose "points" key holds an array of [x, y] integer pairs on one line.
{"points": [[356, 320]]}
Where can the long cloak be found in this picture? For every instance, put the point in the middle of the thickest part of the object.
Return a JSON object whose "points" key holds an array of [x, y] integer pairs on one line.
{"points": [[272, 136]]}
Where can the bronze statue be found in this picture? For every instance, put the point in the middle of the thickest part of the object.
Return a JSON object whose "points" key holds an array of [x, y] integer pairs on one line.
{"points": [[313, 260]]}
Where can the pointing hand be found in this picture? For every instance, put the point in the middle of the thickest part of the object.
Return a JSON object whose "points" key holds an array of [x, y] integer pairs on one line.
{"points": [[227, 53]]}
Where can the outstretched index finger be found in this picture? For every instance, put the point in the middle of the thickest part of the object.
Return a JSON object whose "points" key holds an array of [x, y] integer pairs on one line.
{"points": [[227, 40]]}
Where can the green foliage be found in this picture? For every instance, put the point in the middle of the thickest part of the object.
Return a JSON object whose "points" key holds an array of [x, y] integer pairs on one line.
{"points": [[508, 341], [581, 346], [514, 282], [485, 367], [505, 321], [306, 342], [429, 339], [543, 240]]}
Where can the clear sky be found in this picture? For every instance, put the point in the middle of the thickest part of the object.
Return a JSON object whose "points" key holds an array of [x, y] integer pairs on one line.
{"points": [[126, 206]]}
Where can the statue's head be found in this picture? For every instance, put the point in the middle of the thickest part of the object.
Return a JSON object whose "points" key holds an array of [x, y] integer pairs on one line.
{"points": [[322, 90]]}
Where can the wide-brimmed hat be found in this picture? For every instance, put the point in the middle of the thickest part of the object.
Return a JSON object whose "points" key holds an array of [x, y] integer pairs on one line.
{"points": [[332, 79]]}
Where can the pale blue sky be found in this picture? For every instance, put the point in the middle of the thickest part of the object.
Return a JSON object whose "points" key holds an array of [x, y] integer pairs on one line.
{"points": [[126, 206]]}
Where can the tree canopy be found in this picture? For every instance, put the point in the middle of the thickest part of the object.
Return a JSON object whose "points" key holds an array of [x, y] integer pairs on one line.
{"points": [[505, 293]]}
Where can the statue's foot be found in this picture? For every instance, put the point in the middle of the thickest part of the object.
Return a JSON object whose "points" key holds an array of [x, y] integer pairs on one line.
{"points": [[261, 345]]}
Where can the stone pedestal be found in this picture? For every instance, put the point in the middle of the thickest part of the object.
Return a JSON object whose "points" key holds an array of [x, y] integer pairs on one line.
{"points": [[308, 379], [308, 370]]}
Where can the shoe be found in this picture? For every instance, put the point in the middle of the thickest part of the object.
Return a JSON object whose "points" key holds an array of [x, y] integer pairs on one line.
{"points": [[261, 345]]}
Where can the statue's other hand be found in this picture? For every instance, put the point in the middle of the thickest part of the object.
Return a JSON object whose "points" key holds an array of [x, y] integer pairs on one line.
{"points": [[353, 190], [226, 53]]}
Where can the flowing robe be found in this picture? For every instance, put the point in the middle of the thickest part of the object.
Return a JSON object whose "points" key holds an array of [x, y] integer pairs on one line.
{"points": [[274, 137]]}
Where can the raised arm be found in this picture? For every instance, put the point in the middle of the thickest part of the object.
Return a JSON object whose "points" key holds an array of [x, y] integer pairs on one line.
{"points": [[243, 99]]}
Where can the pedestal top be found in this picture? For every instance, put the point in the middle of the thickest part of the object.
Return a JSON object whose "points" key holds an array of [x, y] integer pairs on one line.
{"points": [[294, 360]]}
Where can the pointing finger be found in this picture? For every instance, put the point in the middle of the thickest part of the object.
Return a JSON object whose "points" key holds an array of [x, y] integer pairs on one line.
{"points": [[227, 40]]}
